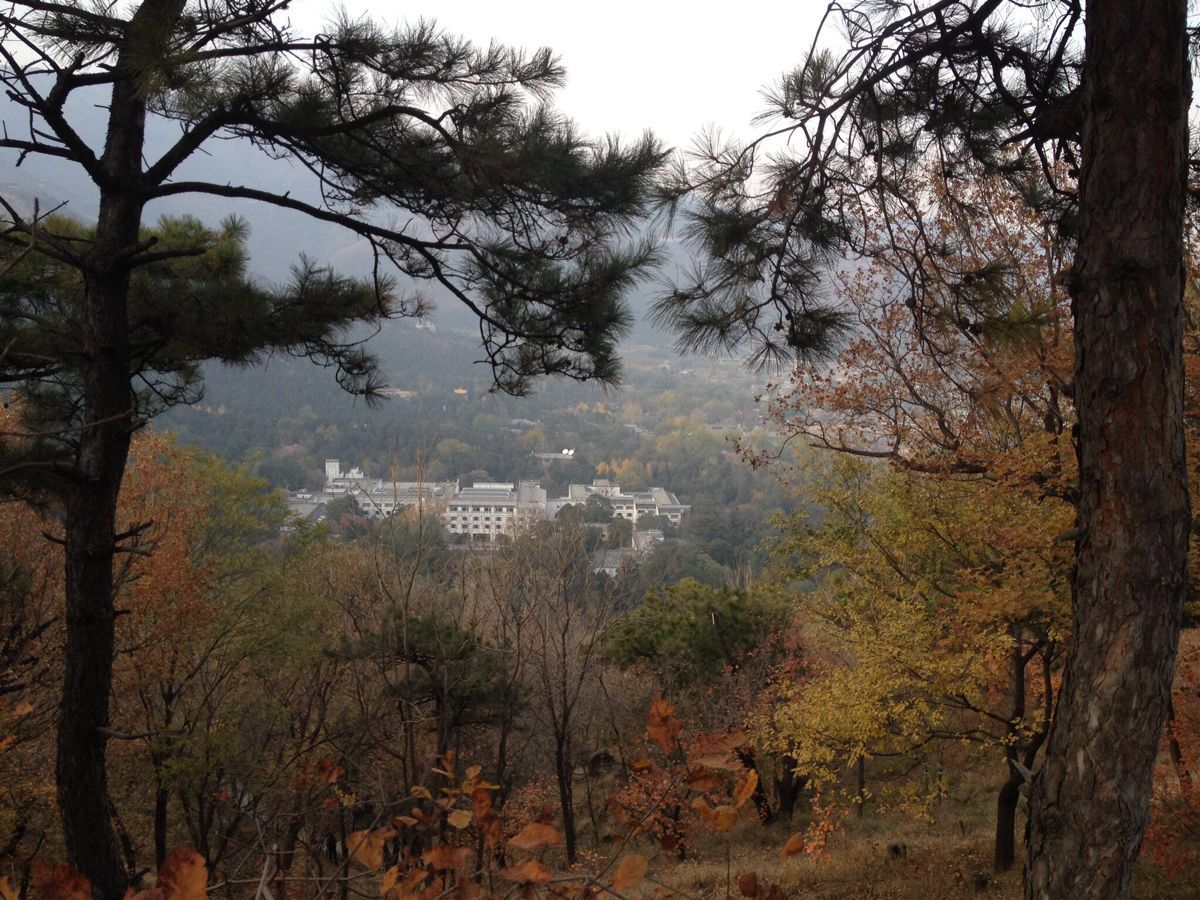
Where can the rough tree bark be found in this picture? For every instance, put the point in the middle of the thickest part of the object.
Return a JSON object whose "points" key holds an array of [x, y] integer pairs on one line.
{"points": [[1089, 804], [91, 510]]}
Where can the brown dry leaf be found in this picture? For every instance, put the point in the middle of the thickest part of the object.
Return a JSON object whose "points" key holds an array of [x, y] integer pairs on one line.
{"points": [[404, 820], [130, 894], [704, 780], [481, 802], [793, 847], [745, 788], [459, 819], [6, 890], [444, 857], [775, 893], [661, 725], [489, 823], [60, 883], [724, 818], [366, 847], [329, 771], [724, 762], [390, 877], [748, 884], [529, 872], [641, 764], [183, 875], [718, 744], [535, 836], [630, 871], [414, 878]]}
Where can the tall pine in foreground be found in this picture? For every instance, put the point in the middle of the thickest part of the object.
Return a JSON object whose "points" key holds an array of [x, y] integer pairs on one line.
{"points": [[500, 202], [1084, 111]]}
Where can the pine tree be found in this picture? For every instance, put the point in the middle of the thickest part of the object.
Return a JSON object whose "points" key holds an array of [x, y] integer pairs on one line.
{"points": [[1085, 113], [502, 204]]}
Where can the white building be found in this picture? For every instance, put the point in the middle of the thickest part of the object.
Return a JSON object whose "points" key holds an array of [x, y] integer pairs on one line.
{"points": [[379, 497], [488, 509], [485, 509], [629, 505]]}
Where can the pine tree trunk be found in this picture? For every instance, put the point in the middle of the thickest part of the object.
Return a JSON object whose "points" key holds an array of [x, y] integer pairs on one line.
{"points": [[91, 509], [1089, 806]]}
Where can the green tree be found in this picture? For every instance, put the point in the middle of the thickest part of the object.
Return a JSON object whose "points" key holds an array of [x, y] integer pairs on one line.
{"points": [[690, 633], [506, 207], [1053, 98], [597, 509]]}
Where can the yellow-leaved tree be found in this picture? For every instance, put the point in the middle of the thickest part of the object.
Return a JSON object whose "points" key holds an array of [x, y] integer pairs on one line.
{"points": [[943, 575]]}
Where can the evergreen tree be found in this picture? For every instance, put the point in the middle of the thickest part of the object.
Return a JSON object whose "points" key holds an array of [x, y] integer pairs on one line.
{"points": [[500, 202], [1085, 113]]}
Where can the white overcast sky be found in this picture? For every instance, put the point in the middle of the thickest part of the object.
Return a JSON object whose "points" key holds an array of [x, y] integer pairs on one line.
{"points": [[674, 68]]}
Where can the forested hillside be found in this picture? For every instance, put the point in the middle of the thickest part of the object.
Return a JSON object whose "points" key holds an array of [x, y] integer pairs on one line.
{"points": [[411, 491]]}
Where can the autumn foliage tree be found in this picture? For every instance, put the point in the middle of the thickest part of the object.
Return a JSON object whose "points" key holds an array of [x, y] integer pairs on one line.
{"points": [[1047, 97], [942, 525]]}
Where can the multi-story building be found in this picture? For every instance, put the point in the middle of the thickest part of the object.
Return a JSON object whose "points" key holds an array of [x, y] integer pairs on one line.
{"points": [[489, 509], [379, 497], [485, 509], [630, 505]]}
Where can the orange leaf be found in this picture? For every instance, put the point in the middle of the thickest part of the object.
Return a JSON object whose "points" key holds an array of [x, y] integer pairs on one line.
{"points": [[481, 802], [390, 877], [724, 818], [404, 820], [641, 764], [661, 725], [704, 780], [459, 819], [443, 857], [745, 788], [535, 836], [183, 875], [630, 871], [793, 847], [329, 771], [366, 847], [60, 883], [529, 872], [719, 744]]}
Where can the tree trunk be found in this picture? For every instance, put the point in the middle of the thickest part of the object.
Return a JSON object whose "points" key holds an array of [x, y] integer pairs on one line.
{"points": [[565, 771], [1006, 823], [91, 509], [1090, 801]]}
